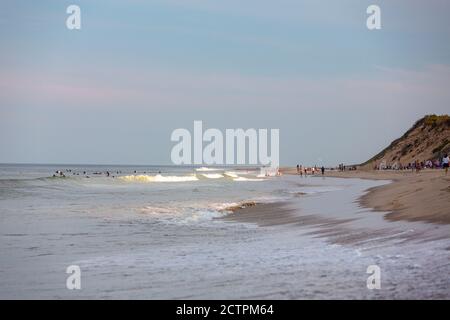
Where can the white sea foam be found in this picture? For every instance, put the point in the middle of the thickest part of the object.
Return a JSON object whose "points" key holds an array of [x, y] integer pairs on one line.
{"points": [[223, 206], [158, 178], [187, 213], [202, 216], [202, 169], [212, 175], [268, 172], [242, 179], [231, 174]]}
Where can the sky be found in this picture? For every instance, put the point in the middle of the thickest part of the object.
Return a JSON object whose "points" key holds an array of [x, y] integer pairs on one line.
{"points": [[113, 92]]}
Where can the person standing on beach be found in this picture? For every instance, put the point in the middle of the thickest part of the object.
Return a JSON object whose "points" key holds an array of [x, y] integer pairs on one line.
{"points": [[417, 166], [323, 170], [298, 169], [445, 162]]}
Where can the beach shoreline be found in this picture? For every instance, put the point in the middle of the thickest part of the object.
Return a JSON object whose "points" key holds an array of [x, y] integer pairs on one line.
{"points": [[157, 239], [411, 196]]}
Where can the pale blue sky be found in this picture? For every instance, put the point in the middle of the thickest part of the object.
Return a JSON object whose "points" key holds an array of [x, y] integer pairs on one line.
{"points": [[115, 90]]}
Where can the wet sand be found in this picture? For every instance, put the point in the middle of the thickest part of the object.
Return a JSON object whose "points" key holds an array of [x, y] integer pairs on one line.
{"points": [[357, 211], [278, 213], [423, 196]]}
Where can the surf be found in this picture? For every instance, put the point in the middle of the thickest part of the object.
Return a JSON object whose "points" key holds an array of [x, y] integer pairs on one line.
{"points": [[143, 178]]}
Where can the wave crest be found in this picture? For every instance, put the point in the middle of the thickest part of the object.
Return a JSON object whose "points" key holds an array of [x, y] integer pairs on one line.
{"points": [[158, 178]]}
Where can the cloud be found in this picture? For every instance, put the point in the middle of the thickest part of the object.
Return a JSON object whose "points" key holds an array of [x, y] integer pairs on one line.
{"points": [[385, 88]]}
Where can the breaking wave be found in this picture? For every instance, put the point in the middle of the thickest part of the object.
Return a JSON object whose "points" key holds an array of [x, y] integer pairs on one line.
{"points": [[188, 178], [231, 174], [158, 178], [202, 169], [241, 179], [212, 175]]}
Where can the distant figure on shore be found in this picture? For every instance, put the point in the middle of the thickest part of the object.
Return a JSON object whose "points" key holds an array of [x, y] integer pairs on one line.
{"points": [[445, 162], [298, 169], [323, 170], [301, 171], [417, 166]]}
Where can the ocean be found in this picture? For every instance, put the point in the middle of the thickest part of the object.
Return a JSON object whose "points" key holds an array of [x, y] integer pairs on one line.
{"points": [[155, 232]]}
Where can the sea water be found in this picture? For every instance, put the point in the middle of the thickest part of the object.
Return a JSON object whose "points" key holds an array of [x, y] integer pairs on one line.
{"points": [[156, 232]]}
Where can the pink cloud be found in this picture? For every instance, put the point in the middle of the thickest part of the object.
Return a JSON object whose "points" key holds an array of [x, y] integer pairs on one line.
{"points": [[386, 88]]}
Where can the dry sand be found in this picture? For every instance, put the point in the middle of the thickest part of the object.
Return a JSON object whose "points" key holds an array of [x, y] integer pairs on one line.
{"points": [[423, 196]]}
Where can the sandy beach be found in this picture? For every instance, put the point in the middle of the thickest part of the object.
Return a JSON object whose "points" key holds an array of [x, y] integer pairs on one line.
{"points": [[307, 237], [423, 196]]}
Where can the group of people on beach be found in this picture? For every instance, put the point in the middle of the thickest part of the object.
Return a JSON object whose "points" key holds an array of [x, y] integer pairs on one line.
{"points": [[417, 165], [311, 170], [342, 167]]}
